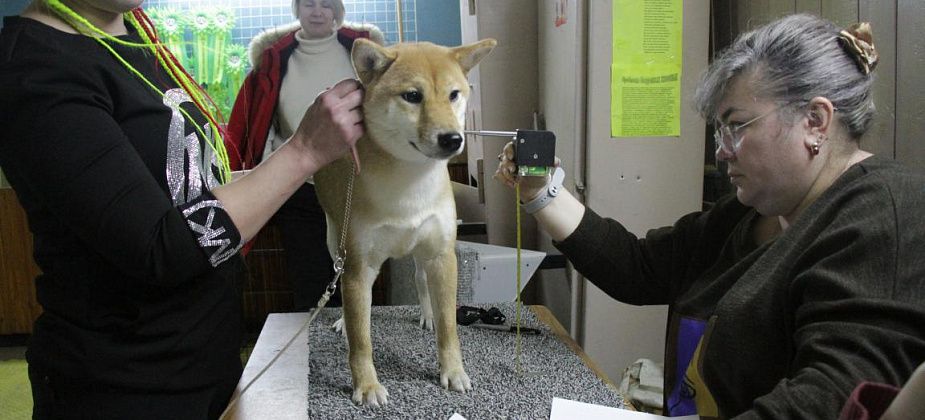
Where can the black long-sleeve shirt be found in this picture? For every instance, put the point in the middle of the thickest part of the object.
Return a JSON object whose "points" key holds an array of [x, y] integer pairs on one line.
{"points": [[138, 283], [787, 329]]}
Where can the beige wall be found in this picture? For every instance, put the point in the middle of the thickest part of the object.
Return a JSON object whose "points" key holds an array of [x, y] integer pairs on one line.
{"points": [[504, 98], [562, 83], [642, 182]]}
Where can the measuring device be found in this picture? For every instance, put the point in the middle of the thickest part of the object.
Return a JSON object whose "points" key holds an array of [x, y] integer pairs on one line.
{"points": [[534, 155], [534, 150]]}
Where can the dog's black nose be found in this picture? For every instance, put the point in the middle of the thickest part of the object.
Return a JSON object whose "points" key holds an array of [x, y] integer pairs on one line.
{"points": [[449, 141]]}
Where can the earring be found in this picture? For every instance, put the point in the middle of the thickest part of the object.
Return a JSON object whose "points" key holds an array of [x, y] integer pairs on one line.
{"points": [[819, 140]]}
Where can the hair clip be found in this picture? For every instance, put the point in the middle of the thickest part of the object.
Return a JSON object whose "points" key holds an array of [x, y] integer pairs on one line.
{"points": [[858, 41]]}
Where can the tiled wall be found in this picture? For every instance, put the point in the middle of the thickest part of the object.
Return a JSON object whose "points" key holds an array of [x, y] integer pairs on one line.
{"points": [[383, 14], [254, 16]]}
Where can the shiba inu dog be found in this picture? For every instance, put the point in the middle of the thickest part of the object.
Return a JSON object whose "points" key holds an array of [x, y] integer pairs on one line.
{"points": [[402, 200]]}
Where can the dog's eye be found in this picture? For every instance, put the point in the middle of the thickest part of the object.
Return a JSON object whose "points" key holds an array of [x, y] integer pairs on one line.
{"points": [[454, 95], [413, 96]]}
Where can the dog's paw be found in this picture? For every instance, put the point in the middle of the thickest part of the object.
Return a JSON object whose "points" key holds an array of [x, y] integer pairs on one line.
{"points": [[427, 321], [371, 395], [456, 380], [338, 326]]}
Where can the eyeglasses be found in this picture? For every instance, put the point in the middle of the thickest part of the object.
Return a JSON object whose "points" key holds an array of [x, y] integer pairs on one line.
{"points": [[729, 138]]}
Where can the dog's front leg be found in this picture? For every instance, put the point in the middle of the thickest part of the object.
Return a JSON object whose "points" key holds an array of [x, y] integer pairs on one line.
{"points": [[441, 282], [358, 299]]}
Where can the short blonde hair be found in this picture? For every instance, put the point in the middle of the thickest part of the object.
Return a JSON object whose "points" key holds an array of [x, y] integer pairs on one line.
{"points": [[338, 6]]}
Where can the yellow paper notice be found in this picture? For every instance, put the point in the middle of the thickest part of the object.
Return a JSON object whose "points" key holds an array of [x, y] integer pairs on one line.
{"points": [[645, 75]]}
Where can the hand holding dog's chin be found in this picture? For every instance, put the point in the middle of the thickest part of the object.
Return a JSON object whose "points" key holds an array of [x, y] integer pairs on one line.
{"points": [[318, 151], [331, 126]]}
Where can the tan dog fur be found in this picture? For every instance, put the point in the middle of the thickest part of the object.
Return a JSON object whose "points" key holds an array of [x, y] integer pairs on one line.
{"points": [[402, 199]]}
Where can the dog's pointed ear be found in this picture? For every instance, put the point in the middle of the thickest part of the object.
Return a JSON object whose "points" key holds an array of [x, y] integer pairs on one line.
{"points": [[470, 55], [370, 59]]}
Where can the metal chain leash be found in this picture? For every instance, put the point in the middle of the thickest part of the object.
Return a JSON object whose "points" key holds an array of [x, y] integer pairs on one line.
{"points": [[341, 257], [339, 264]]}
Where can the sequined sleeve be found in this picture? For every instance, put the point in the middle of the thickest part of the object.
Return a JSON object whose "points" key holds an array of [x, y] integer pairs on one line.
{"points": [[212, 227]]}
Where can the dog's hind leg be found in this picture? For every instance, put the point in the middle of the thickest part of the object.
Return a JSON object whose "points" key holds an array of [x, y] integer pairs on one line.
{"points": [[420, 282], [441, 282], [357, 290]]}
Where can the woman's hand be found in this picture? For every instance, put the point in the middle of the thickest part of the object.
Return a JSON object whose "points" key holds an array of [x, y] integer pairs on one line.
{"points": [[561, 216], [329, 129], [332, 124], [530, 186]]}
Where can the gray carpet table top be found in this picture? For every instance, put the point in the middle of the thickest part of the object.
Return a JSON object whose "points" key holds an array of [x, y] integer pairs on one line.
{"points": [[406, 361]]}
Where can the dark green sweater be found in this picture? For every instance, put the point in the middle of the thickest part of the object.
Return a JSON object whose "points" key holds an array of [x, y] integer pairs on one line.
{"points": [[785, 330]]}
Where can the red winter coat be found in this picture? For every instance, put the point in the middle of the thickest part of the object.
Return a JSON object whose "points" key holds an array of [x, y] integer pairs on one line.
{"points": [[256, 102]]}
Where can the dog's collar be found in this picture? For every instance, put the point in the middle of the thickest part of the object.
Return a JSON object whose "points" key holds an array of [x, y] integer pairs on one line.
{"points": [[546, 197]]}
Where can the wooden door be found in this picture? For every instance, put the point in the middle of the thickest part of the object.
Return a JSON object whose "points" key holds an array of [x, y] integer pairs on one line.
{"points": [[18, 306]]}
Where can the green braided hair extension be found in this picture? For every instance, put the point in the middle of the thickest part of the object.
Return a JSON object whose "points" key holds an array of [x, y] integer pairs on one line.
{"points": [[176, 72], [179, 75]]}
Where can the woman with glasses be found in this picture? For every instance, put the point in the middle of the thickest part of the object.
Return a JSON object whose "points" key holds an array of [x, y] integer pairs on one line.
{"points": [[807, 280]]}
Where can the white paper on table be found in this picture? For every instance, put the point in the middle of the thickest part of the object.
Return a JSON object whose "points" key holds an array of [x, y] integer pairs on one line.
{"points": [[563, 409]]}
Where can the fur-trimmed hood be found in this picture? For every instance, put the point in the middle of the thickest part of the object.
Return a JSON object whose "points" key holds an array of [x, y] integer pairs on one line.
{"points": [[269, 37]]}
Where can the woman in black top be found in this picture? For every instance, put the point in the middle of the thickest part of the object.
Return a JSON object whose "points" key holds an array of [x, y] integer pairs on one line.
{"points": [[806, 281], [118, 168]]}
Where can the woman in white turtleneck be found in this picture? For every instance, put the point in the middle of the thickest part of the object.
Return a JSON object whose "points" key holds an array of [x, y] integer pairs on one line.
{"points": [[292, 65], [318, 62]]}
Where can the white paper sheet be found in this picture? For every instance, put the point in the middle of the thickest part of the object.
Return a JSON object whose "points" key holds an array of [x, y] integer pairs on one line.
{"points": [[563, 409]]}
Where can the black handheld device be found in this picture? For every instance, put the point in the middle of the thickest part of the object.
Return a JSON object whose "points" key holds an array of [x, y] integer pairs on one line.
{"points": [[534, 152]]}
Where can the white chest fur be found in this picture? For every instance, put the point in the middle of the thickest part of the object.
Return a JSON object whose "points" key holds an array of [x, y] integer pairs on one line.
{"points": [[403, 209]]}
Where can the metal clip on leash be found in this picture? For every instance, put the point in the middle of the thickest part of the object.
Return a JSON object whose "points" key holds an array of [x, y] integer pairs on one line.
{"points": [[339, 268]]}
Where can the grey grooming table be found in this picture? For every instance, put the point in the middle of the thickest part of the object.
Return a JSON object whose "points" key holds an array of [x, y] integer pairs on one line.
{"points": [[300, 386]]}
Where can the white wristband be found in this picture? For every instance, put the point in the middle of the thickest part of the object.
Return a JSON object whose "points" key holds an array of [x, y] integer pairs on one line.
{"points": [[546, 197]]}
